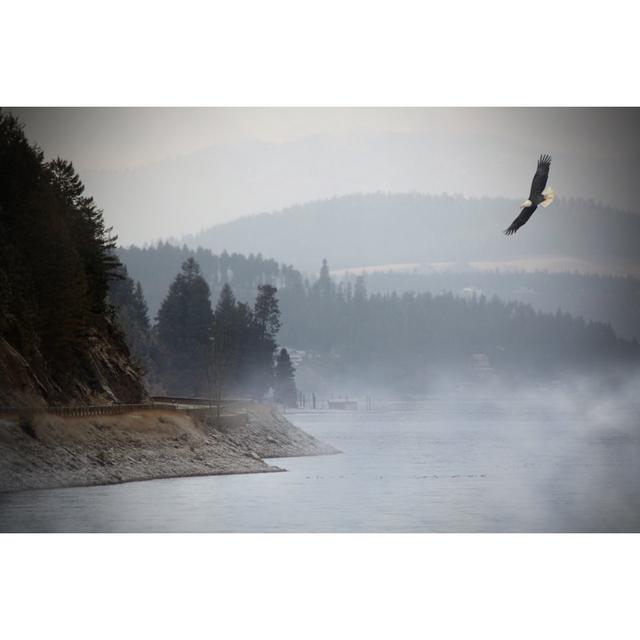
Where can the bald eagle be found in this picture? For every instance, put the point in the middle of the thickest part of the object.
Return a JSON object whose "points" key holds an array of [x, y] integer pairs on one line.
{"points": [[538, 195]]}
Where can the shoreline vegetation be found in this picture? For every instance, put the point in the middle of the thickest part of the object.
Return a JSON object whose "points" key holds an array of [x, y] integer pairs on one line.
{"points": [[55, 452]]}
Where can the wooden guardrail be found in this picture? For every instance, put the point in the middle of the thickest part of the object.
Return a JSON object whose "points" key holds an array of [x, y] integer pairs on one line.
{"points": [[121, 409], [180, 400], [196, 401]]}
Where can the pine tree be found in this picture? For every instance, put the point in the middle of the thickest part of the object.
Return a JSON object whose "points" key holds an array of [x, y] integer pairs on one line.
{"points": [[184, 327], [94, 240], [267, 324], [226, 343], [140, 306], [324, 287], [56, 261], [285, 390], [130, 311], [266, 311], [49, 303], [323, 307]]}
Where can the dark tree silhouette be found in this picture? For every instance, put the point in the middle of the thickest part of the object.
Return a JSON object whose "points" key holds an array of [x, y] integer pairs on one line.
{"points": [[95, 241], [183, 330], [266, 315], [285, 390], [132, 316], [227, 344], [56, 264]]}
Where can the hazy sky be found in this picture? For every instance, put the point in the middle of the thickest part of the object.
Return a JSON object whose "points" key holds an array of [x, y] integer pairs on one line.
{"points": [[96, 138], [160, 172]]}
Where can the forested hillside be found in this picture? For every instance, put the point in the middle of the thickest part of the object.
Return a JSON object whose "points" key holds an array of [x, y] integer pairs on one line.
{"points": [[609, 299], [378, 229], [58, 343], [401, 342], [404, 341], [156, 266]]}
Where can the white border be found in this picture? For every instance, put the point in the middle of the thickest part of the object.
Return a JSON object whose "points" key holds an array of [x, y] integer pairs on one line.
{"points": [[489, 53], [334, 52], [319, 587]]}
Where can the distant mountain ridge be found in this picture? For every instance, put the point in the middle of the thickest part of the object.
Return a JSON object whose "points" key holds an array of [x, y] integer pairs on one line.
{"points": [[379, 228], [219, 183]]}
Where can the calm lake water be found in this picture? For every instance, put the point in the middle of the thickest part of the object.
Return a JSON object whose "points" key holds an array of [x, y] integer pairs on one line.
{"points": [[442, 465]]}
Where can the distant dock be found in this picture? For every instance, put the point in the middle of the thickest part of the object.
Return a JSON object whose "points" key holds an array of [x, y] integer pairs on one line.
{"points": [[345, 405]]}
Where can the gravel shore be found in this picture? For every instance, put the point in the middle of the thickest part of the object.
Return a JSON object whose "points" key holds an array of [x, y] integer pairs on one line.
{"points": [[51, 451]]}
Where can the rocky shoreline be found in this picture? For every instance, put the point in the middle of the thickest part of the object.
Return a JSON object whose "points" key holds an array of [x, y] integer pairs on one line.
{"points": [[52, 451]]}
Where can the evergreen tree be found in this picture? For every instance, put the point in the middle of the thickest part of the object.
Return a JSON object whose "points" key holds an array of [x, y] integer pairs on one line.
{"points": [[324, 287], [130, 311], [227, 338], [184, 328], [266, 315], [56, 261], [244, 343], [285, 390], [140, 307], [267, 312], [323, 306], [95, 241], [247, 341], [49, 310]]}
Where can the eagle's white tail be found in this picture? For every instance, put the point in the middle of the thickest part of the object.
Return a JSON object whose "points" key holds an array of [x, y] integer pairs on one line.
{"points": [[549, 196]]}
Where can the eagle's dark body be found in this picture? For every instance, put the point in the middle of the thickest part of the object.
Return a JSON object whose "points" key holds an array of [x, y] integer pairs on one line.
{"points": [[536, 196]]}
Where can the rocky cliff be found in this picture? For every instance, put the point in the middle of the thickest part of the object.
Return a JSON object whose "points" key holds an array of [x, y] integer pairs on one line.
{"points": [[102, 374]]}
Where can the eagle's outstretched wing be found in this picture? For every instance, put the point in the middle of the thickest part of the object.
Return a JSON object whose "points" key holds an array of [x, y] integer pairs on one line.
{"points": [[525, 214], [540, 179]]}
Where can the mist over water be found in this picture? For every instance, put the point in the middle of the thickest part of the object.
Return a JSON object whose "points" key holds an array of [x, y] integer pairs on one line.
{"points": [[548, 459]]}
